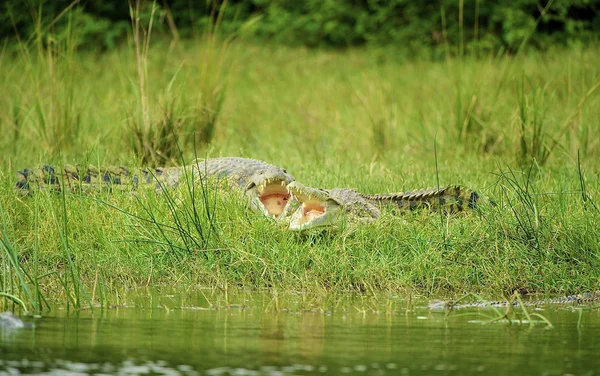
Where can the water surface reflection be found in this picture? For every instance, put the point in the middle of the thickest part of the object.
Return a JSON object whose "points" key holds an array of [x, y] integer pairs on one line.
{"points": [[248, 334]]}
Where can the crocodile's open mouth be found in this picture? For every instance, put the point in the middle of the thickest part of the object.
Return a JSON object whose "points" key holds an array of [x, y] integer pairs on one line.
{"points": [[310, 209], [314, 209], [273, 196]]}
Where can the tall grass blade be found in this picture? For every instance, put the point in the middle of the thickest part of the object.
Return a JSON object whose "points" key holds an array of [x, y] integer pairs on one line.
{"points": [[14, 265]]}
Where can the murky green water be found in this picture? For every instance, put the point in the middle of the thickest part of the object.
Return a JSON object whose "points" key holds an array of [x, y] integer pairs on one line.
{"points": [[251, 334]]}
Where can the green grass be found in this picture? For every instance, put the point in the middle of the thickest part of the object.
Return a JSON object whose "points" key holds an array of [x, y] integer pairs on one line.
{"points": [[520, 130]]}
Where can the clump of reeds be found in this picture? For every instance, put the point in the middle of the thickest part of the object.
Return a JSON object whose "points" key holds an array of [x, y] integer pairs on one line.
{"points": [[48, 105], [155, 135]]}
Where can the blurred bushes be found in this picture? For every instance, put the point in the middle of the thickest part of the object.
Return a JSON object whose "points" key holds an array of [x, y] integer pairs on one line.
{"points": [[471, 24]]}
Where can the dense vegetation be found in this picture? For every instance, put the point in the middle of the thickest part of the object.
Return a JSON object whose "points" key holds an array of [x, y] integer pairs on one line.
{"points": [[521, 129], [421, 27]]}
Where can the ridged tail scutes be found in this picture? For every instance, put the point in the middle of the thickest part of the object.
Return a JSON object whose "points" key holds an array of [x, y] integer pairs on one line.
{"points": [[71, 177], [23, 180], [450, 199], [43, 175]]}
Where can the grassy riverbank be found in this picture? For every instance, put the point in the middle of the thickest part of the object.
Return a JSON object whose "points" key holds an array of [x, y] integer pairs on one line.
{"points": [[520, 130]]}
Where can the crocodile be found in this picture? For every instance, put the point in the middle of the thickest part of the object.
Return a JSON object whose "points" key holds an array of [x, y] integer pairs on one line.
{"points": [[584, 298], [318, 207], [262, 183]]}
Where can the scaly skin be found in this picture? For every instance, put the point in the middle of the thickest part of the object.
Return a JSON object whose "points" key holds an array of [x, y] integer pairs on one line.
{"points": [[262, 183], [450, 199], [585, 298], [325, 207]]}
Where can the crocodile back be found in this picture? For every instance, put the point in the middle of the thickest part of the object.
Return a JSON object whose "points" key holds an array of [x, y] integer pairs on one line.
{"points": [[240, 171], [355, 205]]}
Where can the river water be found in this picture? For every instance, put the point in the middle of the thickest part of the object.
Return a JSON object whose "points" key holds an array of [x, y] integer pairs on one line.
{"points": [[217, 333]]}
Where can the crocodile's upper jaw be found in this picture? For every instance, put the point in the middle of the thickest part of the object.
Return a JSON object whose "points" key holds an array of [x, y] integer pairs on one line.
{"points": [[272, 197], [266, 187], [316, 208]]}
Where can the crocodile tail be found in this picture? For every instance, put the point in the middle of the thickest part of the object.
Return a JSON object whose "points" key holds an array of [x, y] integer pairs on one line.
{"points": [[450, 199], [72, 178], [44, 175], [75, 178]]}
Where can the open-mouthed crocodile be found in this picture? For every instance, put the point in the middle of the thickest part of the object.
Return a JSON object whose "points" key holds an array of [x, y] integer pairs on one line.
{"points": [[263, 184], [585, 298], [325, 207]]}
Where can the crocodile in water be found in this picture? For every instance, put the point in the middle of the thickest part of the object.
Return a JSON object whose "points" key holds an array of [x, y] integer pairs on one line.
{"points": [[263, 184], [325, 207], [585, 298]]}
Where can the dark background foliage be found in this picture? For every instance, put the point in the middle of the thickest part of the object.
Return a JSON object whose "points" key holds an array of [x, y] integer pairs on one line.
{"points": [[486, 25]]}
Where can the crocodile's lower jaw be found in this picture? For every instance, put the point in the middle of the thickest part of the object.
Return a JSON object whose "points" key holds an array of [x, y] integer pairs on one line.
{"points": [[311, 211], [274, 197]]}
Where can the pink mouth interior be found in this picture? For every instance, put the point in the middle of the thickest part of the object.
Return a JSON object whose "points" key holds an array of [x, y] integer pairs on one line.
{"points": [[275, 203], [311, 211]]}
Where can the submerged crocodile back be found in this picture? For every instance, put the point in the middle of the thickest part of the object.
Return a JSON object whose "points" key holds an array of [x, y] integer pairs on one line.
{"points": [[584, 298], [74, 178], [450, 199]]}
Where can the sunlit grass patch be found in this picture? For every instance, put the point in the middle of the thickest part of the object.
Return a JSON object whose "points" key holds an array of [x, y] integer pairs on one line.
{"points": [[518, 130]]}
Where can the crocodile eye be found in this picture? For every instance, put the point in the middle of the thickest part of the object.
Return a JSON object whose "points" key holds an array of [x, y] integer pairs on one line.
{"points": [[284, 171]]}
